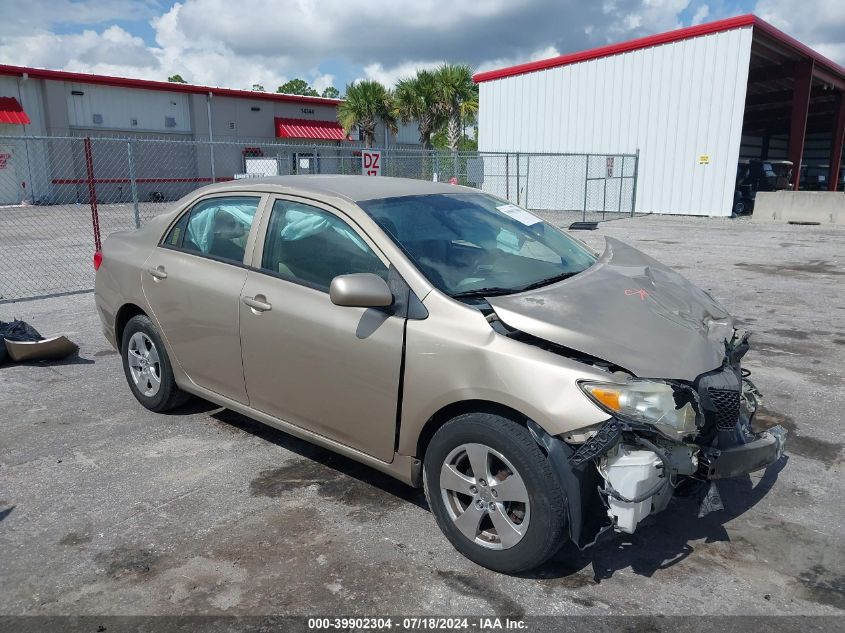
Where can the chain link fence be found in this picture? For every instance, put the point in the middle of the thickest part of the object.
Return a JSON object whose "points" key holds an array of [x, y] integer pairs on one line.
{"points": [[60, 196]]}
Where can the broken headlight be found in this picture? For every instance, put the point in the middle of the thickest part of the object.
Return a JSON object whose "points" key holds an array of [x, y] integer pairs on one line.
{"points": [[664, 406]]}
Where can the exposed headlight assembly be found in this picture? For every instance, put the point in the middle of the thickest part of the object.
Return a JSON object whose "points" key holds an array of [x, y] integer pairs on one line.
{"points": [[668, 408]]}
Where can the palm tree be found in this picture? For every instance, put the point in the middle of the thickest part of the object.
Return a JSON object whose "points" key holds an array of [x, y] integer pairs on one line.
{"points": [[457, 96], [367, 102], [416, 100]]}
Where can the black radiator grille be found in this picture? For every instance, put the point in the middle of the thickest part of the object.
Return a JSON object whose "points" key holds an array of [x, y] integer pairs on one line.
{"points": [[727, 407]]}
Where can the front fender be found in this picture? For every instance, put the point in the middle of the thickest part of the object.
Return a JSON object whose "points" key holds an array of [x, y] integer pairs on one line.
{"points": [[454, 356]]}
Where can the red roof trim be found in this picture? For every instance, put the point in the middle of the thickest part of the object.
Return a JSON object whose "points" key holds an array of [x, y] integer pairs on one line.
{"points": [[11, 112], [166, 86], [309, 129], [727, 24]]}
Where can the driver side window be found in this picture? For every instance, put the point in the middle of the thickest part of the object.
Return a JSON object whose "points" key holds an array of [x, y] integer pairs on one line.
{"points": [[310, 246]]}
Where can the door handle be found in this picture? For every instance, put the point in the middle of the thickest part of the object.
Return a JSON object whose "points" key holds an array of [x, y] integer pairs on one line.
{"points": [[158, 273], [258, 303]]}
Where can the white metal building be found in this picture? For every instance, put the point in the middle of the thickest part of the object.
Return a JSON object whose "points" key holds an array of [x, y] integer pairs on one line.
{"points": [[692, 102]]}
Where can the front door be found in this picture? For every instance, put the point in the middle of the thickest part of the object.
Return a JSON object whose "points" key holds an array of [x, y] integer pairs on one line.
{"points": [[330, 369], [193, 282]]}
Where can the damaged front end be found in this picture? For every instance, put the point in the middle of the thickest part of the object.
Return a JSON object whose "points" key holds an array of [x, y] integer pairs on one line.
{"points": [[676, 424], [664, 438]]}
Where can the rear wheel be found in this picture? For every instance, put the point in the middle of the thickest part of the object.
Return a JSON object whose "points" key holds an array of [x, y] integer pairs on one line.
{"points": [[493, 493], [147, 366]]}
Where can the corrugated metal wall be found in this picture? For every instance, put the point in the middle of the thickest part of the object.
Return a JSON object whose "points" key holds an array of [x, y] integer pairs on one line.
{"points": [[407, 134], [127, 109], [24, 164], [28, 94], [674, 102]]}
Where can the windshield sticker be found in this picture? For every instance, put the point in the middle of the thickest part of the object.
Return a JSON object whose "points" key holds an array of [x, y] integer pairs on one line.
{"points": [[520, 215]]}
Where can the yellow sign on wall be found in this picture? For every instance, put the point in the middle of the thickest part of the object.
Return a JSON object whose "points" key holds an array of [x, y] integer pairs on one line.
{"points": [[704, 159]]}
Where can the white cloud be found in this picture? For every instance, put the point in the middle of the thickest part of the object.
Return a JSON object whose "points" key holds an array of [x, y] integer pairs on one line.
{"points": [[38, 15], [389, 76], [626, 19], [818, 23], [113, 50], [221, 42], [701, 14], [542, 53], [236, 44], [322, 81]]}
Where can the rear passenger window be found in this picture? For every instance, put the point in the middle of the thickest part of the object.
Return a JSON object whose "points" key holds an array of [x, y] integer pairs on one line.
{"points": [[310, 246], [174, 238], [218, 227]]}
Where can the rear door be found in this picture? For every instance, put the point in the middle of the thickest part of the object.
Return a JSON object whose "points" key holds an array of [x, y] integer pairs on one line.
{"points": [[330, 369], [193, 282]]}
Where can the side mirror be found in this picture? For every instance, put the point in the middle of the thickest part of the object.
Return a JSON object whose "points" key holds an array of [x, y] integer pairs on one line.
{"points": [[360, 290]]}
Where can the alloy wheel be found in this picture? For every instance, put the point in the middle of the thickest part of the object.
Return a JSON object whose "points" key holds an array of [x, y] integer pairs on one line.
{"points": [[485, 496], [144, 364]]}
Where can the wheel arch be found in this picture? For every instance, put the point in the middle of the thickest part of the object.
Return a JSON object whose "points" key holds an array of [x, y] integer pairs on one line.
{"points": [[454, 409], [126, 312]]}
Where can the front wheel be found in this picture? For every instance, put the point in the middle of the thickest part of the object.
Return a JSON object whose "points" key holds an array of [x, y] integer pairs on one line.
{"points": [[493, 493], [147, 366]]}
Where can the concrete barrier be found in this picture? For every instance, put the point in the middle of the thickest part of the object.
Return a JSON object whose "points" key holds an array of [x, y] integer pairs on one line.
{"points": [[824, 207]]}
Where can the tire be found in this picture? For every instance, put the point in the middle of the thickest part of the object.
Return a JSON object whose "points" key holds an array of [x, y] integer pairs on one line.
{"points": [[147, 366], [510, 450]]}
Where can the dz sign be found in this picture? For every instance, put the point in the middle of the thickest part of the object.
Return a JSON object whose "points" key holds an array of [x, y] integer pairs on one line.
{"points": [[370, 162]]}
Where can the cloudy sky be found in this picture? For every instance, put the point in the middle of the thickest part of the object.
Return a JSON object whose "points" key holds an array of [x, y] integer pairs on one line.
{"points": [[333, 42]]}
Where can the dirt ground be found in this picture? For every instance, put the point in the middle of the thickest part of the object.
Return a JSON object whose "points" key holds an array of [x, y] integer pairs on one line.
{"points": [[106, 508]]}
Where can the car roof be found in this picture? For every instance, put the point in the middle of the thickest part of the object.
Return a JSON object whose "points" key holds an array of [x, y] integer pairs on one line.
{"points": [[355, 188]]}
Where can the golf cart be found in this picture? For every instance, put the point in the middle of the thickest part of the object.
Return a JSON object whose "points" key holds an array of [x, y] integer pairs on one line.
{"points": [[755, 175]]}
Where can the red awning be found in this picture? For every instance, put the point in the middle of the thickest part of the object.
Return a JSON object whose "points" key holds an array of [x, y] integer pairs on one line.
{"points": [[308, 128], [11, 112]]}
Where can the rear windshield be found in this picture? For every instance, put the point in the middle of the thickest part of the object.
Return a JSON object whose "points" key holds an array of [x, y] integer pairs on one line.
{"points": [[474, 244]]}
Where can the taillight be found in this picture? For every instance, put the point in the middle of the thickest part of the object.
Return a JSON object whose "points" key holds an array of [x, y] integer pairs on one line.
{"points": [[98, 259]]}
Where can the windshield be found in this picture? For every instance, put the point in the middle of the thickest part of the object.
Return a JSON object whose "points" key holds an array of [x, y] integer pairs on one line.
{"points": [[473, 244]]}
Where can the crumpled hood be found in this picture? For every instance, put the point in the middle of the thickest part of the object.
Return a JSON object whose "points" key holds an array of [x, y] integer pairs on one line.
{"points": [[630, 310]]}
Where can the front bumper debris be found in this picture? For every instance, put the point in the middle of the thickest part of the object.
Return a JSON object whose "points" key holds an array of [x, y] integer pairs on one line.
{"points": [[586, 516], [626, 470], [742, 459]]}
